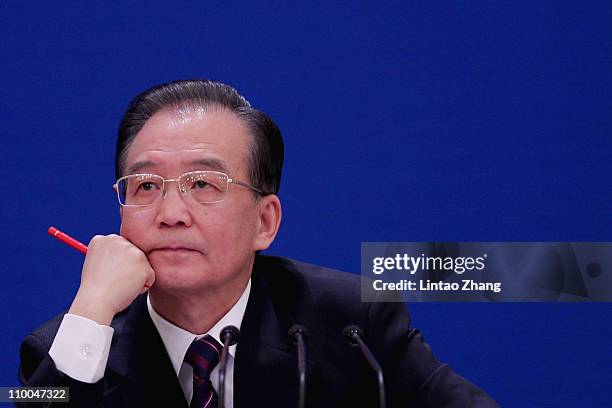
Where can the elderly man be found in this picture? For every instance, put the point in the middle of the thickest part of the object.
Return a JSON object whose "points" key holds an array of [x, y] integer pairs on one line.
{"points": [[198, 170]]}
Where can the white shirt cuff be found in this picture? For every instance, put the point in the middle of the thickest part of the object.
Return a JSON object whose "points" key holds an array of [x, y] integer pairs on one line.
{"points": [[80, 348]]}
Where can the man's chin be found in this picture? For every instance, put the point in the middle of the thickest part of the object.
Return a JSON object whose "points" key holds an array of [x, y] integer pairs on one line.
{"points": [[179, 271], [178, 283]]}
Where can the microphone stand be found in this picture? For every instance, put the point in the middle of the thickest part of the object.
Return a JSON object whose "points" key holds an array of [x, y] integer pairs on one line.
{"points": [[229, 337], [354, 336], [297, 333]]}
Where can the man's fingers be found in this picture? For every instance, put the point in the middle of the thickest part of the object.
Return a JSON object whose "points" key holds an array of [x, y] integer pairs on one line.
{"points": [[150, 279]]}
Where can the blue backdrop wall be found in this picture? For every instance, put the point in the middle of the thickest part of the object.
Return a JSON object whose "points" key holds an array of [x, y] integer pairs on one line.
{"points": [[403, 121]]}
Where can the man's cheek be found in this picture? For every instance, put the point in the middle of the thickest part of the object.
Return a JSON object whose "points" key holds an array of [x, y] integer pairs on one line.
{"points": [[138, 214], [134, 220]]}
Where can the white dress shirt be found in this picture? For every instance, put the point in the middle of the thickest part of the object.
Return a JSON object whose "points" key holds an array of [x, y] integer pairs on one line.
{"points": [[81, 347]]}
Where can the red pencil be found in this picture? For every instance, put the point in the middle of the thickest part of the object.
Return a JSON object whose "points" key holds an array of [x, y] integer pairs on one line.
{"points": [[67, 239]]}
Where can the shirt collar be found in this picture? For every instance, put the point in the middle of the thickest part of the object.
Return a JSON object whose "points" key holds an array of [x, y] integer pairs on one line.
{"points": [[177, 340]]}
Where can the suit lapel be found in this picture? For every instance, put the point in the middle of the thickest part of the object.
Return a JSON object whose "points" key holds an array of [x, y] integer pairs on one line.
{"points": [[140, 361], [265, 367], [265, 371]]}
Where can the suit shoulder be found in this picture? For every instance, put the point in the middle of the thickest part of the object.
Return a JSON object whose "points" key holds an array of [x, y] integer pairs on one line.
{"points": [[316, 277], [326, 287]]}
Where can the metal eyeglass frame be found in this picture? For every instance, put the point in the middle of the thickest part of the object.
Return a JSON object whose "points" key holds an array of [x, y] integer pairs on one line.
{"points": [[181, 185]]}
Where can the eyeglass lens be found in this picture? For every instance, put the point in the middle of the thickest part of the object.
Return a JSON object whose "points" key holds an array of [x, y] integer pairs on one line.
{"points": [[145, 189]]}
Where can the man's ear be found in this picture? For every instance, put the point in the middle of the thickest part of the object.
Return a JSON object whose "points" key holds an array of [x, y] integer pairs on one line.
{"points": [[270, 214]]}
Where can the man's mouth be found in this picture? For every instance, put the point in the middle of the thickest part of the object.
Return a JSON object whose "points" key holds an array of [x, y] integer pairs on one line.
{"points": [[173, 249]]}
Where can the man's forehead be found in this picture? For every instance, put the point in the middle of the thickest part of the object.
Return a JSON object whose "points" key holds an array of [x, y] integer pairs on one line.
{"points": [[161, 132], [217, 140]]}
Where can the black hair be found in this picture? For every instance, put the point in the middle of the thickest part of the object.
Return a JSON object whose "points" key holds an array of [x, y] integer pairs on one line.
{"points": [[267, 148]]}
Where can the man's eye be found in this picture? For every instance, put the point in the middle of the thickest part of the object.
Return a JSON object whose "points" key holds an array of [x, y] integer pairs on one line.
{"points": [[148, 186], [200, 184]]}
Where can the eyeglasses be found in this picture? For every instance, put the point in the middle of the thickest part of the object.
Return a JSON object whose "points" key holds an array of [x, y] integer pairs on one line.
{"points": [[138, 190]]}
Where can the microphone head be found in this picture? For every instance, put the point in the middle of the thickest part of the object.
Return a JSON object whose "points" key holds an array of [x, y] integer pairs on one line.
{"points": [[295, 330], [350, 333], [231, 334]]}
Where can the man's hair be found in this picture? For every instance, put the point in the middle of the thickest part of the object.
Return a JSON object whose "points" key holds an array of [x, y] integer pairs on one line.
{"points": [[265, 163]]}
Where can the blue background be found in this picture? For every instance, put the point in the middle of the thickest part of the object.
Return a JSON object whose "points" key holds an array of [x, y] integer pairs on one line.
{"points": [[403, 121]]}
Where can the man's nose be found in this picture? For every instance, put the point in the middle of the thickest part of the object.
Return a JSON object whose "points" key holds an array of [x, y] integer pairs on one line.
{"points": [[173, 208]]}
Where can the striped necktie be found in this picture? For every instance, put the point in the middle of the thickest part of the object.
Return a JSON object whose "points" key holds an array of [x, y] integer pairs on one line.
{"points": [[203, 355]]}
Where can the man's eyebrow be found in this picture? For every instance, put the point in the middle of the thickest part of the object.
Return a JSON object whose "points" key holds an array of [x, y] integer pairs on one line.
{"points": [[139, 166], [214, 164]]}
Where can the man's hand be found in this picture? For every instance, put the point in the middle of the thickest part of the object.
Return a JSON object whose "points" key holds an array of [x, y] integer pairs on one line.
{"points": [[115, 272]]}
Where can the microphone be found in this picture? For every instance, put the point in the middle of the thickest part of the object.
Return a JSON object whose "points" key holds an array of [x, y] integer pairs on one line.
{"points": [[229, 337], [297, 333], [353, 334]]}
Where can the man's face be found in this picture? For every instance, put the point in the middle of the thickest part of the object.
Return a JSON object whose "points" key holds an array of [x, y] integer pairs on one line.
{"points": [[192, 246]]}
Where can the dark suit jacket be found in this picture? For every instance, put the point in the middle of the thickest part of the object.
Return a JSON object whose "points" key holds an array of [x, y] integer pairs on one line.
{"points": [[283, 292]]}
